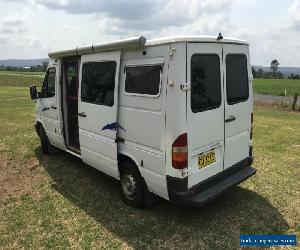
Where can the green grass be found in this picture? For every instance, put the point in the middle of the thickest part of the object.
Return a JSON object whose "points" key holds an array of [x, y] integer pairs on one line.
{"points": [[56, 201], [276, 86], [26, 79], [4, 72]]}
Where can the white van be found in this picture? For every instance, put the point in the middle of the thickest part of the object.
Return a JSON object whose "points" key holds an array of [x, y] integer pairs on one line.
{"points": [[170, 117]]}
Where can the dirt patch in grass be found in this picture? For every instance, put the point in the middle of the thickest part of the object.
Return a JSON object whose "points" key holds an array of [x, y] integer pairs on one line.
{"points": [[18, 178]]}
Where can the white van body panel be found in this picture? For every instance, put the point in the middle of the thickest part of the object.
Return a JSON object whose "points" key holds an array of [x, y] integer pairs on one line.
{"points": [[142, 117], [97, 144], [48, 111], [176, 122], [148, 125], [205, 128], [237, 133]]}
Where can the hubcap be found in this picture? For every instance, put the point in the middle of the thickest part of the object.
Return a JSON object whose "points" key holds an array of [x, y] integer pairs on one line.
{"points": [[128, 185]]}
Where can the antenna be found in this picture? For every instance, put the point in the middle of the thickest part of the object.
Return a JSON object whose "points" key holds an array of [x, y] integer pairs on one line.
{"points": [[220, 37]]}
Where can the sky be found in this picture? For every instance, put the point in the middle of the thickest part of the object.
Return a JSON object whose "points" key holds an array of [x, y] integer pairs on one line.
{"points": [[31, 28]]}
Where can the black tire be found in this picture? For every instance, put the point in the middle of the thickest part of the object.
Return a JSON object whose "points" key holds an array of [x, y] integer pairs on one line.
{"points": [[133, 194], [45, 144]]}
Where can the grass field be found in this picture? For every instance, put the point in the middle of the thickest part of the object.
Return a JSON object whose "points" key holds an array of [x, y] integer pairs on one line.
{"points": [[12, 78], [276, 86], [56, 201], [21, 73]]}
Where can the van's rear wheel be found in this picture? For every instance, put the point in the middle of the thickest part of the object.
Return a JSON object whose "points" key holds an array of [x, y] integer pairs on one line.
{"points": [[45, 144], [131, 185]]}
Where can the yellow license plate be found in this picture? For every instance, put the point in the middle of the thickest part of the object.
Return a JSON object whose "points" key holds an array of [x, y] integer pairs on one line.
{"points": [[206, 159]]}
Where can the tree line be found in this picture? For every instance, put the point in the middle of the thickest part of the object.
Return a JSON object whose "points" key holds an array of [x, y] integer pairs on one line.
{"points": [[273, 73], [260, 73]]}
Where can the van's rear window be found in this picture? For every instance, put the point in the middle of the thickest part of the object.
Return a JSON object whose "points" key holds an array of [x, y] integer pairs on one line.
{"points": [[205, 82], [236, 79], [144, 80]]}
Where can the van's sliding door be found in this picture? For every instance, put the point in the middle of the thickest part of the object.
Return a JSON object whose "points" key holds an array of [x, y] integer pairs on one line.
{"points": [[97, 110]]}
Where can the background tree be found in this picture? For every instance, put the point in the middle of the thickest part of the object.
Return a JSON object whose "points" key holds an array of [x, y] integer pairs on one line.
{"points": [[293, 76], [44, 66], [280, 75], [274, 67], [260, 73]]}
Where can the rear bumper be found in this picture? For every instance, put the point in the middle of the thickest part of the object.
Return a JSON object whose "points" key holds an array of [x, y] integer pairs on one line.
{"points": [[211, 188]]}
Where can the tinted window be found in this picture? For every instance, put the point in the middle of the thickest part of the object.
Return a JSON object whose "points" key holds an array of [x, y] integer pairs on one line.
{"points": [[98, 83], [71, 78], [236, 79], [48, 89], [143, 80], [205, 82]]}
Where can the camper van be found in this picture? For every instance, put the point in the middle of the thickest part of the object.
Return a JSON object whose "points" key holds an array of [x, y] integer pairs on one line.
{"points": [[170, 117]]}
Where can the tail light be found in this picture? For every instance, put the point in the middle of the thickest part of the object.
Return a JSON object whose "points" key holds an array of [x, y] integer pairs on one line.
{"points": [[251, 131], [180, 152]]}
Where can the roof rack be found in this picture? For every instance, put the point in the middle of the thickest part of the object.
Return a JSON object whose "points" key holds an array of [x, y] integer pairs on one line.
{"points": [[136, 42], [140, 42]]}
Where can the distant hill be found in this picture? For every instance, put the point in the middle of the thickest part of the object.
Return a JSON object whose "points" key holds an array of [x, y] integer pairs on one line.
{"points": [[23, 62], [284, 70]]}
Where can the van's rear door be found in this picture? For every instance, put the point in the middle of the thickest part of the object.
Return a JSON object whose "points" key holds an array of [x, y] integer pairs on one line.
{"points": [[205, 111], [238, 104]]}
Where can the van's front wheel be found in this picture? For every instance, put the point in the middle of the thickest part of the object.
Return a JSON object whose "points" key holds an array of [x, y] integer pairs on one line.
{"points": [[131, 186]]}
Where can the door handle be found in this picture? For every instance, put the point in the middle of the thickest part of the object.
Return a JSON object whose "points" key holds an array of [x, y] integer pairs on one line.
{"points": [[230, 118], [53, 107], [82, 114]]}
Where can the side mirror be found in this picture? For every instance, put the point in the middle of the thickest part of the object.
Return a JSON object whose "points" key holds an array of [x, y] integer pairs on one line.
{"points": [[33, 92]]}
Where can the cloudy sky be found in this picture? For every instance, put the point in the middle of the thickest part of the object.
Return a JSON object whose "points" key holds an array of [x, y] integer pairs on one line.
{"points": [[31, 28]]}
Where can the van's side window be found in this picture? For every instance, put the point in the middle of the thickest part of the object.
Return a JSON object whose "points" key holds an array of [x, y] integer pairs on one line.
{"points": [[144, 80], [205, 82], [48, 88], [98, 82], [236, 79]]}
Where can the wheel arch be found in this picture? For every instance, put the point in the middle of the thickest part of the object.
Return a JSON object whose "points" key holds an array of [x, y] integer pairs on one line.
{"points": [[122, 157], [37, 125]]}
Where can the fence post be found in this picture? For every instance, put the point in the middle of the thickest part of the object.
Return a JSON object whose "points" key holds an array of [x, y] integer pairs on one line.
{"points": [[295, 101]]}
